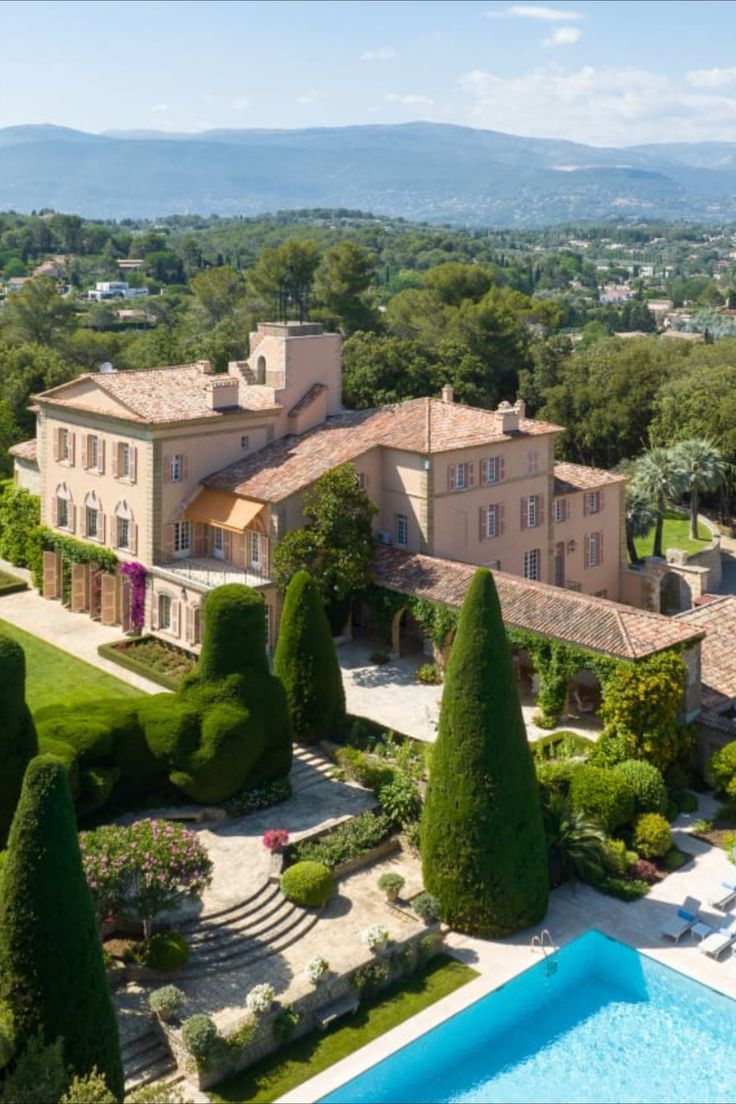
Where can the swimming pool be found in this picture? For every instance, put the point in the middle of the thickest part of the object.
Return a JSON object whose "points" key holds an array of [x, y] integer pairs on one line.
{"points": [[603, 1023]]}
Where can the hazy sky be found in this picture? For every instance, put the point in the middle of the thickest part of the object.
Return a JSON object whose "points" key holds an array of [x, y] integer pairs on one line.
{"points": [[605, 72]]}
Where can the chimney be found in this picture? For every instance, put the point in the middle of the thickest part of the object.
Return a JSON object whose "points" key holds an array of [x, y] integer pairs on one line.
{"points": [[520, 408], [222, 393], [507, 418], [204, 366], [448, 393]]}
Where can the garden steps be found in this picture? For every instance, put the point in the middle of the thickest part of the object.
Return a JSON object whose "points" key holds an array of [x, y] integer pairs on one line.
{"points": [[309, 768], [246, 918], [146, 1058]]}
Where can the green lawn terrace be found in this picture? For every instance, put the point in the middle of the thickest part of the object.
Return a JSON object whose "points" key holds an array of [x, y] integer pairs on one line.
{"points": [[675, 534]]}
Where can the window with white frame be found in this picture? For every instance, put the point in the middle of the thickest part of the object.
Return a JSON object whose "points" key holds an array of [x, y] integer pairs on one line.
{"points": [[532, 564], [560, 510], [182, 538], [402, 530], [124, 461], [532, 511], [490, 470], [122, 536], [64, 445], [592, 502], [63, 507], [164, 611], [491, 522], [92, 522], [255, 549], [197, 625], [533, 463], [176, 468], [461, 480], [594, 549], [93, 452]]}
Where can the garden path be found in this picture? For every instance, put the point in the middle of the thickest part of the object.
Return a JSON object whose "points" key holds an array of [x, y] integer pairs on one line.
{"points": [[390, 695], [74, 633]]}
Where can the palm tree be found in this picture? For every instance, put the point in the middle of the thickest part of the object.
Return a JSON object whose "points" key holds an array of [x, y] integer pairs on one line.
{"points": [[704, 470], [638, 518], [660, 478], [576, 848]]}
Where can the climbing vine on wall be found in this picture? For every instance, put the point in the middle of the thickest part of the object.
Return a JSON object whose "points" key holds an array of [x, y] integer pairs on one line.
{"points": [[72, 551], [435, 619]]}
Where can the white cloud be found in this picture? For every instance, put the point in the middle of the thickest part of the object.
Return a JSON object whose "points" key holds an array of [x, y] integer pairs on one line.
{"points": [[307, 98], [159, 109], [617, 107], [712, 78], [241, 103], [410, 100], [537, 11], [563, 36], [383, 53]]}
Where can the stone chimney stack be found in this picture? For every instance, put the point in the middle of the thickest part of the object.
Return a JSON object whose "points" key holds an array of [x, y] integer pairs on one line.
{"points": [[507, 418], [205, 367], [520, 408], [222, 392], [448, 393]]}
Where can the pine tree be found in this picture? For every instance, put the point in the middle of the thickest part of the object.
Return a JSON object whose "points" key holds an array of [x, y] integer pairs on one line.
{"points": [[52, 973], [306, 663], [483, 847], [18, 742]]}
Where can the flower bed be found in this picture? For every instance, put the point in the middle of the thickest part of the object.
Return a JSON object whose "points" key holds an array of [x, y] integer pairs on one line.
{"points": [[346, 844], [156, 659]]}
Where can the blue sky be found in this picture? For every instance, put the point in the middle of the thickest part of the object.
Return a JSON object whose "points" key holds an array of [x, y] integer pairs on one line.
{"points": [[613, 72]]}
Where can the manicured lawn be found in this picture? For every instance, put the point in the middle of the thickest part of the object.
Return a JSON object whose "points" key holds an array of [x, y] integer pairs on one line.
{"points": [[54, 677], [304, 1058], [676, 534]]}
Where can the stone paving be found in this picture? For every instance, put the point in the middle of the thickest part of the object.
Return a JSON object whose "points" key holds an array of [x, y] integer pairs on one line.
{"points": [[390, 695]]}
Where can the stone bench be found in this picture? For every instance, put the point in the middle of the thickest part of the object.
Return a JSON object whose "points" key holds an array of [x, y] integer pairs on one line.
{"points": [[335, 1010]]}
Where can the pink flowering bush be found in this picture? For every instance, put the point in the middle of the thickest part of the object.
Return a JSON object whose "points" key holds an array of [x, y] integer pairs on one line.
{"points": [[144, 867], [136, 574], [275, 839]]}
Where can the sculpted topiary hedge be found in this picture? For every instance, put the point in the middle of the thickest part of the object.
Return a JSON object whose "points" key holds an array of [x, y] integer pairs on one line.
{"points": [[18, 742], [226, 729]]}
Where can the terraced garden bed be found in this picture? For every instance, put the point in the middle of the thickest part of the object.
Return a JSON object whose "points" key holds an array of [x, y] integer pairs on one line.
{"points": [[156, 659]]}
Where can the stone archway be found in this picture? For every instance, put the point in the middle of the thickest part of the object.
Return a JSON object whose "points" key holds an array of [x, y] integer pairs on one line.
{"points": [[407, 638]]}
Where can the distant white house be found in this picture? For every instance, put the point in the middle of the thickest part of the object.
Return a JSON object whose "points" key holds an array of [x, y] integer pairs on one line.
{"points": [[615, 293], [115, 289]]}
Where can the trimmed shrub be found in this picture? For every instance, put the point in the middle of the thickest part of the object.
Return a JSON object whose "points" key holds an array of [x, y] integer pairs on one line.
{"points": [[234, 642], [363, 769], [166, 951], [602, 796], [167, 1003], [723, 769], [54, 976], [20, 514], [674, 859], [429, 674], [391, 884], [200, 1037], [309, 884], [18, 742], [91, 1089], [647, 785], [613, 747], [555, 775], [306, 662], [39, 1073], [483, 848], [427, 907], [652, 836], [617, 857], [400, 799], [644, 871], [7, 1034]]}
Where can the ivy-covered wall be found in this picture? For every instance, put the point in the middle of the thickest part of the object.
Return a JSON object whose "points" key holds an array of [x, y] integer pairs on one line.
{"points": [[72, 551]]}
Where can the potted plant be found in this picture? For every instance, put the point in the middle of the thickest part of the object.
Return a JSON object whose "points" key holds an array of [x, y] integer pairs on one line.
{"points": [[275, 839], [167, 1003], [316, 969], [375, 937], [391, 884], [260, 999]]}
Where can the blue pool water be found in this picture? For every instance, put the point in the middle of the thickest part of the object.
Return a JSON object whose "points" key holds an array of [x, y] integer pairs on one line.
{"points": [[608, 1025]]}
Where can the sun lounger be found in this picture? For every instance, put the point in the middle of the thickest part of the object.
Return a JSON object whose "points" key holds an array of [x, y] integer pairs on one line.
{"points": [[719, 941], [725, 897], [682, 920]]}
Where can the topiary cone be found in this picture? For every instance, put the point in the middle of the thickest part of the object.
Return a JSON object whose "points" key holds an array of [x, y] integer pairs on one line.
{"points": [[482, 839], [18, 742]]}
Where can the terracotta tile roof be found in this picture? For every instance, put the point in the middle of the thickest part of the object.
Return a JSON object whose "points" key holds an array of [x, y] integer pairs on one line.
{"points": [[161, 395], [25, 450], [726, 725], [717, 619], [307, 399], [418, 425], [594, 623], [570, 478]]}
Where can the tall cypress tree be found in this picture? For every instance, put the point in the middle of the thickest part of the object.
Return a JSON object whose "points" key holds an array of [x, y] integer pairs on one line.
{"points": [[306, 663], [51, 968], [18, 743], [483, 847]]}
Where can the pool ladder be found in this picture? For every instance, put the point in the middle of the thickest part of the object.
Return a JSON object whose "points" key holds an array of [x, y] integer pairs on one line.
{"points": [[544, 943]]}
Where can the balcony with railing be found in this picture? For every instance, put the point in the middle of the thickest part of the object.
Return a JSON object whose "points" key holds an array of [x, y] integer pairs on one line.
{"points": [[206, 573]]}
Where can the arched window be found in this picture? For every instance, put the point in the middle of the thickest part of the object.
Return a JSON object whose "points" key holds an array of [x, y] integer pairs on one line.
{"points": [[164, 612], [94, 526], [125, 531], [261, 370], [63, 511], [198, 625]]}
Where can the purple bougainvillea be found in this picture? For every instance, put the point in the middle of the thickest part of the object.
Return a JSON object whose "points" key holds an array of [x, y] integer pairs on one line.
{"points": [[136, 574]]}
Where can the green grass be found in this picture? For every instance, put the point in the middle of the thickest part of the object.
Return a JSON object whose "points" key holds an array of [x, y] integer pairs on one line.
{"points": [[304, 1058], [53, 677], [676, 534]]}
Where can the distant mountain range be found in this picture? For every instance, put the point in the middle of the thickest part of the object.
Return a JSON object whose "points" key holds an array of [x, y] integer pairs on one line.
{"points": [[422, 171]]}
